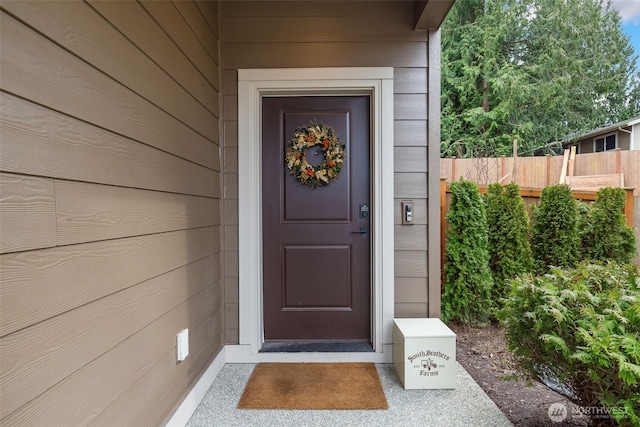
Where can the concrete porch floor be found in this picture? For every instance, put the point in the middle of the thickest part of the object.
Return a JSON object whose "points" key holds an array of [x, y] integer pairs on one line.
{"points": [[467, 405]]}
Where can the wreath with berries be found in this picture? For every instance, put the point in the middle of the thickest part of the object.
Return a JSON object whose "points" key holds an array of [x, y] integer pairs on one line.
{"points": [[315, 135]]}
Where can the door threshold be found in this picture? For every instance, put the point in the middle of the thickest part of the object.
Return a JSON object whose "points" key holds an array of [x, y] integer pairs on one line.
{"points": [[316, 347]]}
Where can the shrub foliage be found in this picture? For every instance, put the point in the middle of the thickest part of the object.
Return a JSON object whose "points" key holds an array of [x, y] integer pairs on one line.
{"points": [[605, 235], [509, 247], [467, 277], [580, 328], [555, 239]]}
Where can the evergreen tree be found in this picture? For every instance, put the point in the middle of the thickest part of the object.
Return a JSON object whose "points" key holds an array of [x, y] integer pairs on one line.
{"points": [[606, 236], [555, 238], [509, 247], [533, 70], [468, 284]]}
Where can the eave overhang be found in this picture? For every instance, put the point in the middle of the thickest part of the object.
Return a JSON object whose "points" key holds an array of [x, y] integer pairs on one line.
{"points": [[430, 14]]}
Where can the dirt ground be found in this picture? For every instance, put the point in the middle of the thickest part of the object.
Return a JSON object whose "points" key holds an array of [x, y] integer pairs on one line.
{"points": [[482, 352]]}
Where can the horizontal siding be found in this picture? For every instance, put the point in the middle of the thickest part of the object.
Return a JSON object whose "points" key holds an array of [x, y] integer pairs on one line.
{"points": [[78, 28], [411, 263], [410, 238], [140, 27], [113, 376], [37, 285], [25, 201], [337, 34], [411, 185], [411, 290], [345, 54], [41, 142], [91, 330], [410, 106], [43, 72], [412, 310], [89, 212], [148, 392], [410, 80], [111, 232], [410, 133], [318, 29], [391, 9], [410, 159], [200, 27], [154, 169]]}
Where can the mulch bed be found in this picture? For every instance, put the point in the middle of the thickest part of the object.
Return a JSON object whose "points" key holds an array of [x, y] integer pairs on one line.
{"points": [[482, 352]]}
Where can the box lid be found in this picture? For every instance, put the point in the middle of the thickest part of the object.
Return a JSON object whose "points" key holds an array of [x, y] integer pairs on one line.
{"points": [[424, 327]]}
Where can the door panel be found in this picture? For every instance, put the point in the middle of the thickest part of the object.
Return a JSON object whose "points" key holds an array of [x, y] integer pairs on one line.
{"points": [[316, 265], [308, 283], [300, 202]]}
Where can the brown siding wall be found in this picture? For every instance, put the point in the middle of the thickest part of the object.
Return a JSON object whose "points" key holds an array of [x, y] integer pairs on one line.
{"points": [[110, 208], [624, 141], [336, 34]]}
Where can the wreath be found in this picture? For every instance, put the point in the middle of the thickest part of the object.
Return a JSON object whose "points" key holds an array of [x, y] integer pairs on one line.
{"points": [[311, 135]]}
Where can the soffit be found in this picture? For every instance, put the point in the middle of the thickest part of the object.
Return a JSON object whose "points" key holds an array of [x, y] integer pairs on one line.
{"points": [[430, 14]]}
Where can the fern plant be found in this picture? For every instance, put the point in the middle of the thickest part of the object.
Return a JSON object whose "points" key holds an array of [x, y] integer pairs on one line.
{"points": [[468, 279], [509, 246], [580, 329]]}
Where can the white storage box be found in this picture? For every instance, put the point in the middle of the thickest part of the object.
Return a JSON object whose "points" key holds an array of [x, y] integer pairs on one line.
{"points": [[424, 353]]}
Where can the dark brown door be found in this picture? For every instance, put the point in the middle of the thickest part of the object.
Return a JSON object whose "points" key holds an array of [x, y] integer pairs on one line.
{"points": [[316, 270]]}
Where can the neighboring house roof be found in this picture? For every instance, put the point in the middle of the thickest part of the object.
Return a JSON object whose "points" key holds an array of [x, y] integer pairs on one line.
{"points": [[603, 130]]}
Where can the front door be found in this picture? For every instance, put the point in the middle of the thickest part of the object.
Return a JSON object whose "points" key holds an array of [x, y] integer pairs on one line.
{"points": [[316, 251]]}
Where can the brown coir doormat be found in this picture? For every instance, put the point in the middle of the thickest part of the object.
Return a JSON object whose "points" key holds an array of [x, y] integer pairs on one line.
{"points": [[314, 386]]}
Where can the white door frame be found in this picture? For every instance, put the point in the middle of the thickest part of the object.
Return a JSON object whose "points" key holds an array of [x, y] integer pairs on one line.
{"points": [[253, 84]]}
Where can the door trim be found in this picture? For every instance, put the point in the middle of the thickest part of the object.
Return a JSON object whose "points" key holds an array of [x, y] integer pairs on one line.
{"points": [[253, 84]]}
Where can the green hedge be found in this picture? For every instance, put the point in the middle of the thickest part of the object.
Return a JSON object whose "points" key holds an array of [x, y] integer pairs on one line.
{"points": [[555, 239], [509, 246], [468, 280], [605, 234]]}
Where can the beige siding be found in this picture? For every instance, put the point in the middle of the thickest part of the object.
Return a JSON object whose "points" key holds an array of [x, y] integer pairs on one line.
{"points": [[336, 34], [111, 218]]}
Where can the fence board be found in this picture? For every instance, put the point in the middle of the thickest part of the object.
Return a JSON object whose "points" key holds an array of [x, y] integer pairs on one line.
{"points": [[539, 172]]}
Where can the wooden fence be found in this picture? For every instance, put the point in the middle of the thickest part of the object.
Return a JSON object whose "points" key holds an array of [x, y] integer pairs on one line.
{"points": [[539, 172], [532, 174]]}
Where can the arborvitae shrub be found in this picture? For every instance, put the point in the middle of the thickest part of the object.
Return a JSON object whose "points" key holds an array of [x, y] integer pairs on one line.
{"points": [[554, 238], [579, 329], [509, 246], [468, 280], [605, 235]]}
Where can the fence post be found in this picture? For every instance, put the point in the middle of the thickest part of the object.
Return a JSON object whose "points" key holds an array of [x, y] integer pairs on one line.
{"points": [[453, 168], [628, 206]]}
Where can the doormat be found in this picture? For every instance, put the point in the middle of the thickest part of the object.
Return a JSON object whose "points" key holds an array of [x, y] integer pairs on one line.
{"points": [[314, 386]]}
